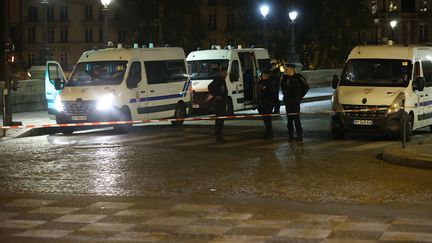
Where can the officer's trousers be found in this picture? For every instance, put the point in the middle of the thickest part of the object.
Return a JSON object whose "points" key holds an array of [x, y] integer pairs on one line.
{"points": [[293, 111]]}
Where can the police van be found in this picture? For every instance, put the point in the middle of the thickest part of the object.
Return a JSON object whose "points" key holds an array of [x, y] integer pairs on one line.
{"points": [[384, 88], [243, 67], [122, 84]]}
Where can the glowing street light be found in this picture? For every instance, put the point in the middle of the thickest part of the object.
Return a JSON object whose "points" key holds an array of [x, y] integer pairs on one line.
{"points": [[105, 4], [265, 10], [393, 25]]}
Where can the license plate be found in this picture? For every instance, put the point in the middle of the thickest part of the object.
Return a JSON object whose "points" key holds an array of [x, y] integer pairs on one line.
{"points": [[195, 106], [363, 122], [79, 118]]}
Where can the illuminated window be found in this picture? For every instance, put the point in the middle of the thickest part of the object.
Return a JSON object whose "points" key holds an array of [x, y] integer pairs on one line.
{"points": [[50, 35], [31, 59], [423, 6], [31, 34], [64, 34], [50, 13], [88, 35], [88, 14], [64, 13], [374, 7], [393, 7]]}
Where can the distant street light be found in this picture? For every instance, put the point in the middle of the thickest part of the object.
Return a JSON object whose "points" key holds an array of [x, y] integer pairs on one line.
{"points": [[45, 51], [393, 25], [265, 10], [293, 57], [105, 4]]}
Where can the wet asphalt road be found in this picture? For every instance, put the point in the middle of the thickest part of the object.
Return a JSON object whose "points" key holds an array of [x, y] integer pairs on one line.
{"points": [[162, 160]]}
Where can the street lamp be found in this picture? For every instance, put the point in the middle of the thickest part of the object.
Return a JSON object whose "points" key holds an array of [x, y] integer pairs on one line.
{"points": [[265, 10], [105, 4], [293, 57], [393, 25], [45, 51], [376, 23]]}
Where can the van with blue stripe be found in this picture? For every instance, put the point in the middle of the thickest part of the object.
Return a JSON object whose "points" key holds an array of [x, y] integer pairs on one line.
{"points": [[122, 84]]}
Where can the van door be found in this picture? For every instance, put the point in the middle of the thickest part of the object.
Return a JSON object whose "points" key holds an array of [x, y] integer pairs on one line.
{"points": [[426, 95], [237, 93], [53, 72]]}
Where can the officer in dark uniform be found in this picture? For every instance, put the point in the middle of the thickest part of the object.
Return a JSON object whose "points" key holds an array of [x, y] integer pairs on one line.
{"points": [[266, 99], [294, 88], [218, 89], [276, 76]]}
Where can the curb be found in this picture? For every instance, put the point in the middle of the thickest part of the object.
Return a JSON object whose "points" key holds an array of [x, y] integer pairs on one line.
{"points": [[397, 156]]}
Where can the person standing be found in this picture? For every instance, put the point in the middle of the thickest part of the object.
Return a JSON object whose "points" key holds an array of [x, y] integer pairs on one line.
{"points": [[266, 100], [218, 89], [275, 71], [294, 88]]}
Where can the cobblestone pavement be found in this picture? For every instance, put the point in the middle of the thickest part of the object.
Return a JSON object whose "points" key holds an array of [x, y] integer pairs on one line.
{"points": [[97, 219]]}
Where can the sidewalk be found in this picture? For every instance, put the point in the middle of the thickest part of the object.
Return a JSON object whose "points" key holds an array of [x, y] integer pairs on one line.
{"points": [[416, 154], [42, 117]]}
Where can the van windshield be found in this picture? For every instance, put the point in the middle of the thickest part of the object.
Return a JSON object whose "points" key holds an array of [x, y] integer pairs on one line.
{"points": [[377, 72], [205, 69], [98, 73]]}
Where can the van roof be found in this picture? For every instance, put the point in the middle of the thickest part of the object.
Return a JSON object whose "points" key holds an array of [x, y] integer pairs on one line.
{"points": [[260, 53], [131, 53], [389, 52]]}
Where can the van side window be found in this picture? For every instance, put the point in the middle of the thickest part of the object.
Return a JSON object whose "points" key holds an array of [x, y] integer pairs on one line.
{"points": [[427, 72], [134, 77], [235, 71], [159, 72]]}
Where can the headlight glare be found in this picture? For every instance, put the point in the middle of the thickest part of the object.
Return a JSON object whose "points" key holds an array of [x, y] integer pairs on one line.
{"points": [[397, 104], [58, 105]]}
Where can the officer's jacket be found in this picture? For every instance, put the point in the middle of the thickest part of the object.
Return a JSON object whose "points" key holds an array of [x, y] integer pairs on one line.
{"points": [[294, 88], [267, 90]]}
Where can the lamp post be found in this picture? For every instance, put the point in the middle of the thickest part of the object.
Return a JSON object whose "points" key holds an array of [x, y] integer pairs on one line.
{"points": [[45, 51], [393, 25], [265, 10], [293, 57], [105, 4]]}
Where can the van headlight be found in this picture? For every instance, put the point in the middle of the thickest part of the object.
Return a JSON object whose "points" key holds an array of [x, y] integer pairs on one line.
{"points": [[397, 104], [336, 106], [58, 105], [105, 103]]}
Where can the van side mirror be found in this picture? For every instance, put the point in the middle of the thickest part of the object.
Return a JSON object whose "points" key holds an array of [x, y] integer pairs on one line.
{"points": [[59, 84], [335, 81], [419, 84], [234, 77]]}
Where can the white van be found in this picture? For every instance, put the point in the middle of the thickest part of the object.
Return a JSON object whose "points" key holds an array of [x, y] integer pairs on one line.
{"points": [[243, 66], [123, 84], [378, 84]]}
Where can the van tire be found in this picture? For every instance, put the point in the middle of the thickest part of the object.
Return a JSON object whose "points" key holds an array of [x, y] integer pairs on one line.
{"points": [[125, 115], [64, 130], [67, 130], [180, 112], [229, 107], [409, 124]]}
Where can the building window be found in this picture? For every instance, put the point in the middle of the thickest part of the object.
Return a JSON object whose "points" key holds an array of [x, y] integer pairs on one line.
{"points": [[63, 58], [212, 2], [393, 7], [64, 13], [88, 15], [101, 35], [31, 59], [423, 6], [374, 7], [32, 14], [212, 22], [230, 21], [50, 35], [88, 35], [50, 13], [64, 34], [212, 42], [31, 34], [423, 33]]}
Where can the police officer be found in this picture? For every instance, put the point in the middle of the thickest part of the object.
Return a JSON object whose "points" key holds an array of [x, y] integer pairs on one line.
{"points": [[276, 79], [218, 89], [294, 88], [266, 99]]}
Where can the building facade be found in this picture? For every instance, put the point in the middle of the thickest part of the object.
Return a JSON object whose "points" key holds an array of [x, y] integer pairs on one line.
{"points": [[413, 18]]}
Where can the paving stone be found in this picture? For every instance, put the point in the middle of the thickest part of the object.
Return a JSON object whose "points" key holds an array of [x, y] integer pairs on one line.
{"points": [[202, 230], [112, 205], [54, 210], [44, 233], [406, 236], [139, 213], [29, 203], [217, 222], [139, 237], [228, 215], [107, 227], [20, 224], [80, 218], [363, 227], [304, 233], [169, 221]]}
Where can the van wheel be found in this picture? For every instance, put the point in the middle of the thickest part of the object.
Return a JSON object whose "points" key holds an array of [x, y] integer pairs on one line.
{"points": [[180, 113], [125, 115], [430, 128], [230, 107], [409, 129], [64, 130]]}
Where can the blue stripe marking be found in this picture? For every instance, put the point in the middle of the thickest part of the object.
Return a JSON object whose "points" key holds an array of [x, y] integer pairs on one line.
{"points": [[164, 97], [427, 103]]}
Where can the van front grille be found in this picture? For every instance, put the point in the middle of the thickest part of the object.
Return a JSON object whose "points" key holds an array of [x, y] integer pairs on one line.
{"points": [[365, 111], [200, 97], [80, 107]]}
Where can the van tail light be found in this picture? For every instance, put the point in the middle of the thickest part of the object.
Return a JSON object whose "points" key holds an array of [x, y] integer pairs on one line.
{"points": [[190, 90]]}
